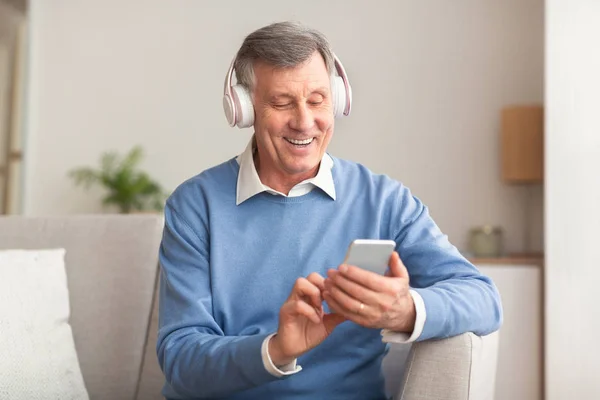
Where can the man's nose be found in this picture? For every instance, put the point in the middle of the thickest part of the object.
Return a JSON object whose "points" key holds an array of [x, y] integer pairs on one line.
{"points": [[303, 119]]}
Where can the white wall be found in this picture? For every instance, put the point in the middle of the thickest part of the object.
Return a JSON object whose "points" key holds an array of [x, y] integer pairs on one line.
{"points": [[573, 199], [429, 79]]}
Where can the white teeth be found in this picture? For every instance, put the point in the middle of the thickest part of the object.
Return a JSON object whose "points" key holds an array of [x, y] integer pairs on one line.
{"points": [[307, 141]]}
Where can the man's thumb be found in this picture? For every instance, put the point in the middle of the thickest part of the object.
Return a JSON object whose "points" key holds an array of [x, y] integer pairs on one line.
{"points": [[397, 268], [332, 320]]}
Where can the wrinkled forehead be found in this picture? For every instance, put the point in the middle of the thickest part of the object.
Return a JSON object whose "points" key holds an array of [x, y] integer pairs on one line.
{"points": [[307, 77]]}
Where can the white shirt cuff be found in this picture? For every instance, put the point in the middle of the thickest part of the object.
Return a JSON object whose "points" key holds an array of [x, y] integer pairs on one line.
{"points": [[402, 337], [288, 369]]}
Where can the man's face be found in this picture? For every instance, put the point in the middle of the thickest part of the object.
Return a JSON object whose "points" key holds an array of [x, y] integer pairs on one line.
{"points": [[294, 118]]}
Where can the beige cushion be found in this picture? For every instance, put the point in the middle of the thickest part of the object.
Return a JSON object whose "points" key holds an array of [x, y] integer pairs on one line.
{"points": [[112, 265], [38, 359]]}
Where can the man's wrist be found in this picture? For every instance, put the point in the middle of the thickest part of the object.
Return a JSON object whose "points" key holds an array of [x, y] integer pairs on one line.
{"points": [[276, 371], [276, 354], [407, 324], [394, 336]]}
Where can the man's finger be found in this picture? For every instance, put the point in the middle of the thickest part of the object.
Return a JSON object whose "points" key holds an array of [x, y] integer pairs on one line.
{"points": [[337, 308], [303, 288], [353, 289], [300, 307], [370, 280], [317, 280], [397, 268], [334, 305]]}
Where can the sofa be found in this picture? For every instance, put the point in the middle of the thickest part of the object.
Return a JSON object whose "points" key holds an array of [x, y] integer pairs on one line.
{"points": [[112, 274]]}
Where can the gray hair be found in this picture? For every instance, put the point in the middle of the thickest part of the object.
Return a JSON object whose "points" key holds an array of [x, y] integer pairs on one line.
{"points": [[282, 45]]}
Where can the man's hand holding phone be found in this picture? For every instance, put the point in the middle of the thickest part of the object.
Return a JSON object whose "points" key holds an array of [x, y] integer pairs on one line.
{"points": [[367, 295], [369, 298]]}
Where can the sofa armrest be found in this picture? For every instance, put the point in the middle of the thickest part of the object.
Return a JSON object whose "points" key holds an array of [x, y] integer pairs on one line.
{"points": [[462, 367]]}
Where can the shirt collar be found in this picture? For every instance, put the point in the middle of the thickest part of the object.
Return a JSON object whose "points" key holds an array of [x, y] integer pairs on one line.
{"points": [[249, 184]]}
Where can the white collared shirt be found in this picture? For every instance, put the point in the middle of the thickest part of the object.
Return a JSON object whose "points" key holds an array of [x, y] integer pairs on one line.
{"points": [[249, 184]]}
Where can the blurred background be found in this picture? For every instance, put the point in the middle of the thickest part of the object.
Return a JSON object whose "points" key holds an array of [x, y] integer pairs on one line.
{"points": [[486, 109], [429, 79]]}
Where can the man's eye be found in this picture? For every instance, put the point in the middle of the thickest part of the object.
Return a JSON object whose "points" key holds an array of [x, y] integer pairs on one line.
{"points": [[281, 105], [315, 103]]}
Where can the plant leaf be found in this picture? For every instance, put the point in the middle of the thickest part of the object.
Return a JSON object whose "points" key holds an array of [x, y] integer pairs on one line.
{"points": [[128, 188]]}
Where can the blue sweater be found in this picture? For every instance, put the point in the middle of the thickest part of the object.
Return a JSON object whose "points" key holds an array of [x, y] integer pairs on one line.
{"points": [[226, 269]]}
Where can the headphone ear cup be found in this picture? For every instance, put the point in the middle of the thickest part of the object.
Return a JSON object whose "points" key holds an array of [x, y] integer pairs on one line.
{"points": [[243, 104], [229, 109], [338, 90]]}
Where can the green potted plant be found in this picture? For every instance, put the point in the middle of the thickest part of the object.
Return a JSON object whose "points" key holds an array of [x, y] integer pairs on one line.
{"points": [[130, 189]]}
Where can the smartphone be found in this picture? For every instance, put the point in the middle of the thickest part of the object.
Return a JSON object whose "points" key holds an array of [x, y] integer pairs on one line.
{"points": [[370, 254]]}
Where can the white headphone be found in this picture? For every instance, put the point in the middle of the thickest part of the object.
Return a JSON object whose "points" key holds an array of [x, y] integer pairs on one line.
{"points": [[239, 110]]}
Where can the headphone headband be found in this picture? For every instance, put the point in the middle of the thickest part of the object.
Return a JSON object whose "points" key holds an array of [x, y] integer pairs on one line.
{"points": [[342, 73], [237, 102]]}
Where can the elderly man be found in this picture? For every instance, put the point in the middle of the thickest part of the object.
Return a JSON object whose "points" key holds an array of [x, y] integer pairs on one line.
{"points": [[254, 303]]}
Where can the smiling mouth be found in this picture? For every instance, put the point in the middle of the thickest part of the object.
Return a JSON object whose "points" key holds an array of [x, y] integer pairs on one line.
{"points": [[300, 143]]}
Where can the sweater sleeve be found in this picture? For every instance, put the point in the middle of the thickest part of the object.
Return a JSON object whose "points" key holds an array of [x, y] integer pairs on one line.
{"points": [[457, 297], [196, 357]]}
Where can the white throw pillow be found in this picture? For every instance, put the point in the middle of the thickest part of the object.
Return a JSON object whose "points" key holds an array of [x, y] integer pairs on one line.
{"points": [[38, 359]]}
